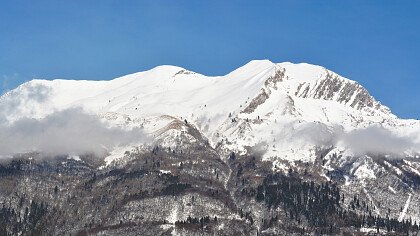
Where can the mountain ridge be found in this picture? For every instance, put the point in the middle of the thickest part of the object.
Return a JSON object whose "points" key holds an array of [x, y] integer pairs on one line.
{"points": [[161, 72]]}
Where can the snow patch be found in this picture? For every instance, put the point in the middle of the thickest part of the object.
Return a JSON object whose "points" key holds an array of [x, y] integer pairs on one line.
{"points": [[404, 211], [364, 172]]}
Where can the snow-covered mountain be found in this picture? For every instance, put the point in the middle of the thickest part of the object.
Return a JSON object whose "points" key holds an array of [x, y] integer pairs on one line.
{"points": [[293, 115], [260, 102]]}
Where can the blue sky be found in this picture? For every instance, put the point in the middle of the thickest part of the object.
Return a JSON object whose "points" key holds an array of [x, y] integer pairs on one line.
{"points": [[376, 43]]}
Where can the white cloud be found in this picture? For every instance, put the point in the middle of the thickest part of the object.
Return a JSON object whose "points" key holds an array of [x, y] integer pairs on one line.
{"points": [[378, 140], [70, 131]]}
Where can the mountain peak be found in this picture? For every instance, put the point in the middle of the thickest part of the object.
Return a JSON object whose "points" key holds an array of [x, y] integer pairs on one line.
{"points": [[167, 68], [253, 67], [304, 71]]}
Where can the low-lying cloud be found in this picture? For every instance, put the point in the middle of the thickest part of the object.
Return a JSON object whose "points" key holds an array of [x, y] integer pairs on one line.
{"points": [[70, 131], [378, 140], [374, 139]]}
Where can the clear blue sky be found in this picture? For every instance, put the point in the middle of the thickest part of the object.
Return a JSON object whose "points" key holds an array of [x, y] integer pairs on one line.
{"points": [[376, 43]]}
